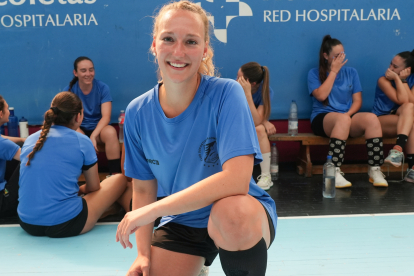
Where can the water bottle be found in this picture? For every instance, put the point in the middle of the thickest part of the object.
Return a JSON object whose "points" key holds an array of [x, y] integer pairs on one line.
{"points": [[23, 127], [121, 120], [293, 119], [274, 163], [328, 190], [2, 131], [13, 124]]}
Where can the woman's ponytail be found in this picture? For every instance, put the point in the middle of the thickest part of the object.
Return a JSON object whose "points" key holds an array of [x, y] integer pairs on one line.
{"points": [[65, 106]]}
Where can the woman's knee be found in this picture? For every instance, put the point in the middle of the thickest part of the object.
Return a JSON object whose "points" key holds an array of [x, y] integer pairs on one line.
{"points": [[372, 121], [233, 218], [407, 110], [108, 133], [261, 132]]}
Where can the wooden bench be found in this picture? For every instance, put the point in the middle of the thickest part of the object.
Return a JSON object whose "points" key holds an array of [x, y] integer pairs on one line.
{"points": [[304, 162]]}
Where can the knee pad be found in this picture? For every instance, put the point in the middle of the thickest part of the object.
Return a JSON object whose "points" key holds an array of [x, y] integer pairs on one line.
{"points": [[250, 262]]}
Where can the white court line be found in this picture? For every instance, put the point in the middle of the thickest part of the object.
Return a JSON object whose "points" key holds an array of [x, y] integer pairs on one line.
{"points": [[349, 216], [298, 217]]}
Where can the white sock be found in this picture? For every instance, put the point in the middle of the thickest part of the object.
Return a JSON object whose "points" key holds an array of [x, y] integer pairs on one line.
{"points": [[265, 165]]}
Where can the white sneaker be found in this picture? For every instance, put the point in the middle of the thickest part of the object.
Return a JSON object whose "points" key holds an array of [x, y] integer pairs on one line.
{"points": [[376, 177], [204, 271], [340, 181], [265, 181]]}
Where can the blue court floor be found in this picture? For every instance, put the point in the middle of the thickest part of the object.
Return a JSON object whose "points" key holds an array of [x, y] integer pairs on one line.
{"points": [[365, 245]]}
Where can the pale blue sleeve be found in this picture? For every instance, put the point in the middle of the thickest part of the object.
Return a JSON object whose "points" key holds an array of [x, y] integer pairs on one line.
{"points": [[356, 83], [313, 80], [236, 133], [105, 94], [89, 153], [135, 165]]}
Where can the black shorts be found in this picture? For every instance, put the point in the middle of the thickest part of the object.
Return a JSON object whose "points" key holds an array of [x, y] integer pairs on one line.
{"points": [[87, 132], [10, 194], [317, 125], [392, 112], [70, 228], [193, 241]]}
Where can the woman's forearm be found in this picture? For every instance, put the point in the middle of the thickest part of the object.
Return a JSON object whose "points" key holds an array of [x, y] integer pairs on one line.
{"points": [[143, 235], [322, 93]]}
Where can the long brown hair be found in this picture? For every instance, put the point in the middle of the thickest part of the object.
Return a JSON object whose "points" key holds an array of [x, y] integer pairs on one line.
{"points": [[75, 67], [259, 74], [1, 103], [207, 66], [65, 106], [408, 59]]}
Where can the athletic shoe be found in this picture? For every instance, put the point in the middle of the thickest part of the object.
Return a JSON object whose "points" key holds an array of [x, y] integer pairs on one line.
{"points": [[395, 157], [409, 177], [340, 181], [265, 181], [376, 177], [204, 271]]}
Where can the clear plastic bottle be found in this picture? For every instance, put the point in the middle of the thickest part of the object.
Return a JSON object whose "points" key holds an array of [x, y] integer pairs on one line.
{"points": [[23, 127], [328, 190], [121, 120], [274, 162], [293, 119], [13, 124]]}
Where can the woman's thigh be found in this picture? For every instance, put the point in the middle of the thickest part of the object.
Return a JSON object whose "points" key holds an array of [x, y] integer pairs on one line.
{"points": [[389, 125], [177, 264], [337, 125]]}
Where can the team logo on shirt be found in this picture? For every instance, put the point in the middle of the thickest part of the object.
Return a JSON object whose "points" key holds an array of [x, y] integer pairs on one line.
{"points": [[208, 152], [222, 12]]}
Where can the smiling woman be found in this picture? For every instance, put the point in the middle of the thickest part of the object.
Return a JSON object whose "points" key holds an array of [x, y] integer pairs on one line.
{"points": [[200, 130], [97, 103]]}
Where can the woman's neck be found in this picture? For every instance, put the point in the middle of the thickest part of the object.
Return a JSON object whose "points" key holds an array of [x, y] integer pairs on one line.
{"points": [[176, 97], [85, 88]]}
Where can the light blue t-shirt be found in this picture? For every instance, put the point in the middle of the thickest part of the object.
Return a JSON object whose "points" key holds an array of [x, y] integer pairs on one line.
{"points": [[48, 193], [257, 97], [340, 99], [186, 149], [92, 102], [382, 104], [8, 150]]}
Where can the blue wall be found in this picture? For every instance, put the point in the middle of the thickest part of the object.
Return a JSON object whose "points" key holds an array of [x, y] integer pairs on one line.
{"points": [[37, 51]]}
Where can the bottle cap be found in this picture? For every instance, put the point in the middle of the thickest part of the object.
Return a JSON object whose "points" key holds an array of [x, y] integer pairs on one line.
{"points": [[329, 157], [23, 119], [11, 108], [122, 111]]}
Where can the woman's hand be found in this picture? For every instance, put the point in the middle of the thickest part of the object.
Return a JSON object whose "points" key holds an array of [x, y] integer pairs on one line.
{"points": [[247, 87], [140, 267], [338, 62], [405, 73], [94, 142], [391, 75], [131, 222], [270, 128]]}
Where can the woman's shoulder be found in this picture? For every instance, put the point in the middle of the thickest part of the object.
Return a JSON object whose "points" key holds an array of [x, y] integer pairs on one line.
{"points": [[313, 72], [139, 102], [216, 85]]}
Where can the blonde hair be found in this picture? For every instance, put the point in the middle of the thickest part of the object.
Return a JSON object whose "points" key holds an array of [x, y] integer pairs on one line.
{"points": [[207, 66]]}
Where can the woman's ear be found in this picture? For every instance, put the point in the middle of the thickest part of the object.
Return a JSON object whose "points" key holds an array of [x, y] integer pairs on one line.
{"points": [[325, 55]]}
